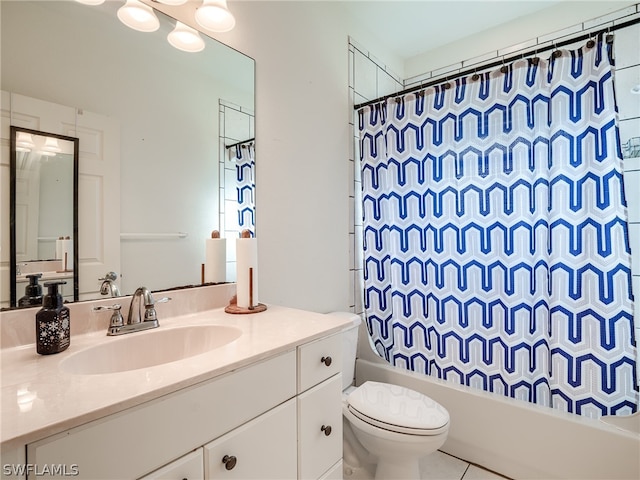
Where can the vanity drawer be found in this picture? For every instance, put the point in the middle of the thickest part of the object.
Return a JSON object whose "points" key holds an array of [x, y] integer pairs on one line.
{"points": [[264, 448], [320, 409], [318, 361], [189, 467], [116, 446]]}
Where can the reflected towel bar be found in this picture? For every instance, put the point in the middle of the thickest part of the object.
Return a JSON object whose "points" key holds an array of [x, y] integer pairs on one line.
{"points": [[152, 236]]}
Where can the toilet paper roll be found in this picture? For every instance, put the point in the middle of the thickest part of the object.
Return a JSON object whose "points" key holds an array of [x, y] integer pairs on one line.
{"points": [[59, 248], [247, 272], [215, 264]]}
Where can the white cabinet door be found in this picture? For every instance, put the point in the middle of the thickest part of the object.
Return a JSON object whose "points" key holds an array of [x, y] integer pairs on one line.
{"points": [[262, 449], [320, 428], [189, 467]]}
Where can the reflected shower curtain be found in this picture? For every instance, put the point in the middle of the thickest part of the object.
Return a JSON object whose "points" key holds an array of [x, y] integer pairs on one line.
{"points": [[246, 185], [495, 234]]}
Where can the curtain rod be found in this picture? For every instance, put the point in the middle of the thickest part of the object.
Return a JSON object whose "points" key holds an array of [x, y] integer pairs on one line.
{"points": [[495, 63], [240, 143]]}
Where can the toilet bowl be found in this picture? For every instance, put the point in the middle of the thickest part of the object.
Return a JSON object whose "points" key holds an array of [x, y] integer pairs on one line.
{"points": [[393, 425]]}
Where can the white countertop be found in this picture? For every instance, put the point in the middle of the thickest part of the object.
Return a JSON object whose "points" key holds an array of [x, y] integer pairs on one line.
{"points": [[39, 399]]}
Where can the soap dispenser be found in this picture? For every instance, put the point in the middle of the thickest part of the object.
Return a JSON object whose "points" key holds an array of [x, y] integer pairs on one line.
{"points": [[32, 292], [53, 330]]}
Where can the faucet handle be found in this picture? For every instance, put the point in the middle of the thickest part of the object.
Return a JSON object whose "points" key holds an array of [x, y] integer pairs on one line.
{"points": [[116, 321], [109, 277], [150, 314]]}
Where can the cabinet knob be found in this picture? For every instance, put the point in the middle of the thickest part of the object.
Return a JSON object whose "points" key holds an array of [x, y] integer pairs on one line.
{"points": [[326, 429], [326, 360], [229, 461]]}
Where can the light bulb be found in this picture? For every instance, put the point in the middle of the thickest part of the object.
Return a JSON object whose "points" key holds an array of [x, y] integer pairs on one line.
{"points": [[24, 142], [138, 16], [215, 16], [51, 147], [185, 38]]}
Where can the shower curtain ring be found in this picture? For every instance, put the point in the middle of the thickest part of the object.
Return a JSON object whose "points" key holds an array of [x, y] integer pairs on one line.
{"points": [[504, 68]]}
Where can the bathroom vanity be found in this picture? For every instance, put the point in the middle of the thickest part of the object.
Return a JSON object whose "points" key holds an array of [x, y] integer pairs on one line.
{"points": [[264, 404]]}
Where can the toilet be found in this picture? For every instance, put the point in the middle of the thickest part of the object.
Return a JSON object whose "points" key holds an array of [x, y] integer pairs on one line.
{"points": [[392, 425]]}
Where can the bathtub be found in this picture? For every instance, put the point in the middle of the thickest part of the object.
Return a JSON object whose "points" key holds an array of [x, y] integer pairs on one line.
{"points": [[515, 438]]}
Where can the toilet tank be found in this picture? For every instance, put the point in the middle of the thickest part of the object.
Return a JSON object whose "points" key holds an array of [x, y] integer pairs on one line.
{"points": [[349, 347]]}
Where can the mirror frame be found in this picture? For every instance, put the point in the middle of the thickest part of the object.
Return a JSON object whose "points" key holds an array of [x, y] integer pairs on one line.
{"points": [[13, 302]]}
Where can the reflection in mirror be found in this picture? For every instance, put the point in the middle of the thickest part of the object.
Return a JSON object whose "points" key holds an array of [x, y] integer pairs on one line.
{"points": [[147, 116], [237, 206], [43, 214]]}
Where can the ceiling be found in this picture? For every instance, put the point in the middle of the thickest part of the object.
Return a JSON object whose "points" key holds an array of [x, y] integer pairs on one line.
{"points": [[410, 28]]}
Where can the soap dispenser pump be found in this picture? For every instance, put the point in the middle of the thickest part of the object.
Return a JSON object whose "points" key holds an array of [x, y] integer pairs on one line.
{"points": [[32, 292], [53, 329]]}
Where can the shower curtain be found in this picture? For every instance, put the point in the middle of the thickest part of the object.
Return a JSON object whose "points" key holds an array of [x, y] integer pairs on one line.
{"points": [[245, 185], [496, 251]]}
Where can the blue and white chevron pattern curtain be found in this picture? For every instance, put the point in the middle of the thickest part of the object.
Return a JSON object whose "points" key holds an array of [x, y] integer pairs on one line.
{"points": [[246, 186], [495, 234]]}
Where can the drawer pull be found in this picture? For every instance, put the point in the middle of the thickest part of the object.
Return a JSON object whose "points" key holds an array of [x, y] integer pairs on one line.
{"points": [[229, 461], [326, 360], [326, 430]]}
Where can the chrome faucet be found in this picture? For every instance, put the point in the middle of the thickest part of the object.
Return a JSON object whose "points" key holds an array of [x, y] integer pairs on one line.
{"points": [[136, 321], [108, 286], [142, 294]]}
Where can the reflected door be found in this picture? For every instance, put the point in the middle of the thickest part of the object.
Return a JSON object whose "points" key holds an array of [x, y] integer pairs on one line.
{"points": [[99, 210]]}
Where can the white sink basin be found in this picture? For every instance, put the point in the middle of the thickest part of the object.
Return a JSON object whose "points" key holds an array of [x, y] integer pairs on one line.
{"points": [[148, 348]]}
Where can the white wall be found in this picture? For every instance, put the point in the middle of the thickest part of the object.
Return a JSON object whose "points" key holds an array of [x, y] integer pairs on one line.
{"points": [[302, 147]]}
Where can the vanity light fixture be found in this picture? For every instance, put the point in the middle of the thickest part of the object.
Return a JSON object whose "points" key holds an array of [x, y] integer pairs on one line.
{"points": [[185, 38], [215, 16], [51, 147], [24, 142], [212, 15], [137, 15]]}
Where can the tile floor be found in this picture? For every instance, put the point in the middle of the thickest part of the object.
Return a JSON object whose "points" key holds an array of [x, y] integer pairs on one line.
{"points": [[438, 466]]}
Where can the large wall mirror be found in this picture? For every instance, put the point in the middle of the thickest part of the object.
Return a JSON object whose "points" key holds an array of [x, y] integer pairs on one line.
{"points": [[43, 214], [148, 122]]}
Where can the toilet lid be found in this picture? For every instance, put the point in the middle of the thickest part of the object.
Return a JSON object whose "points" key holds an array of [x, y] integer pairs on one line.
{"points": [[398, 409]]}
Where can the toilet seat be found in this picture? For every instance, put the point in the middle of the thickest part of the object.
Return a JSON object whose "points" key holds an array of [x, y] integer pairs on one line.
{"points": [[397, 409]]}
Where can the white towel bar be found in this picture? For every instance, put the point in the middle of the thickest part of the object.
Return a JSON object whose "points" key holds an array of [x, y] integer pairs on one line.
{"points": [[152, 236]]}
